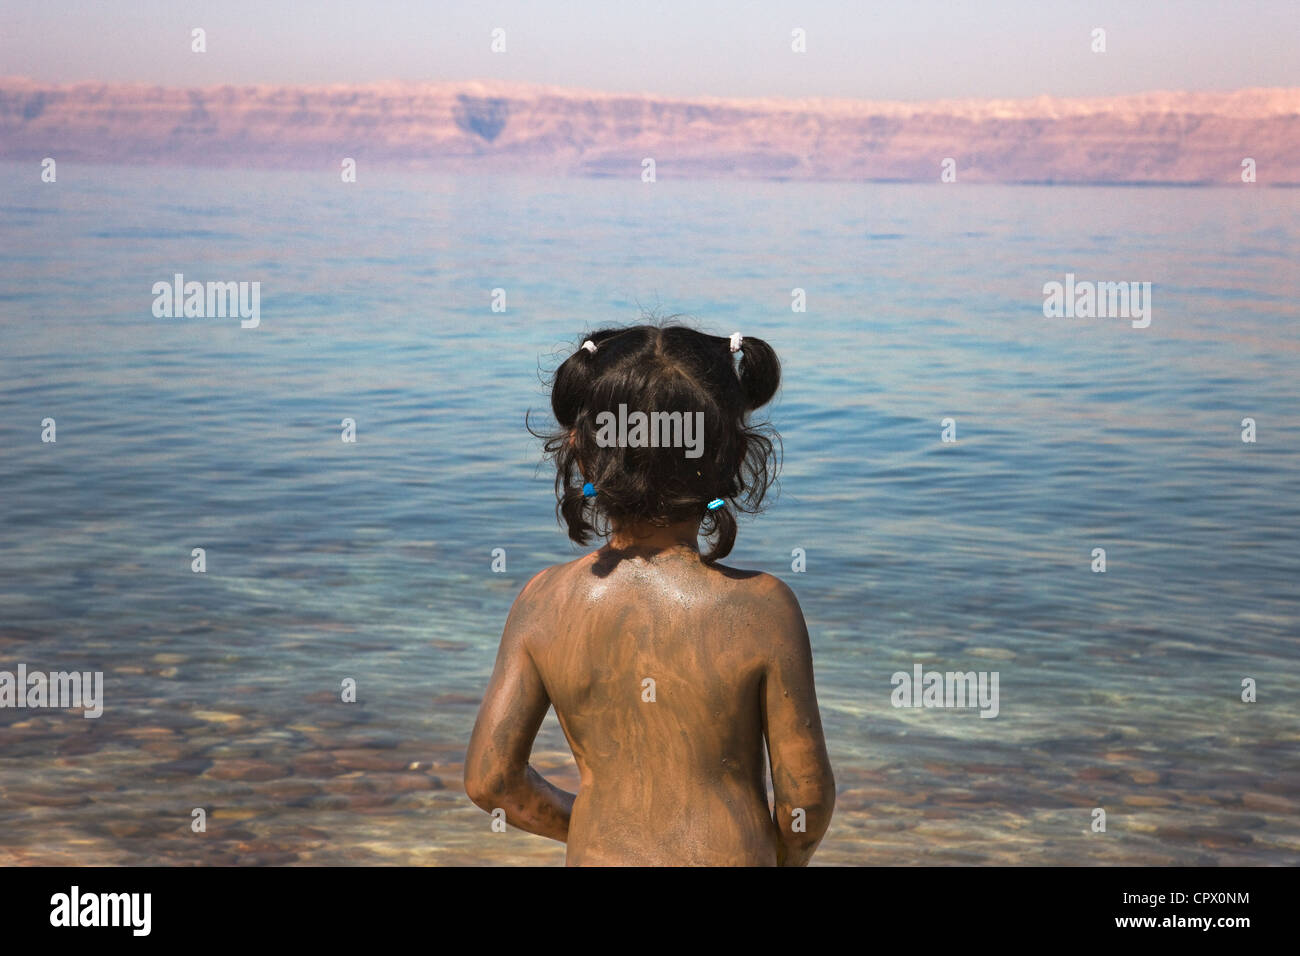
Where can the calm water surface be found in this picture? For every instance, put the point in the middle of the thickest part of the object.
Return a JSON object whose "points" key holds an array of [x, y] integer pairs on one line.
{"points": [[372, 560]]}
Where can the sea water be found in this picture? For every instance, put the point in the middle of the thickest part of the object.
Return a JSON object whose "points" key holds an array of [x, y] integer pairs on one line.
{"points": [[427, 310]]}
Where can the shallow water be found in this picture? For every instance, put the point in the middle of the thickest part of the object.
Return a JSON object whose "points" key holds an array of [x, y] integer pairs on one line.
{"points": [[372, 560]]}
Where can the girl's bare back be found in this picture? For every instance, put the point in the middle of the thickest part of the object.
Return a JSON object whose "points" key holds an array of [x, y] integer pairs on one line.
{"points": [[665, 674]]}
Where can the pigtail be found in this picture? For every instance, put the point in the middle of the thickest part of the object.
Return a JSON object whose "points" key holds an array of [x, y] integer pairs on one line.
{"points": [[573, 381], [719, 527], [573, 506], [760, 372]]}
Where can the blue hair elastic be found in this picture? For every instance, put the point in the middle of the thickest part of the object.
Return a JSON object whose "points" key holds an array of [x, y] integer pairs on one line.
{"points": [[715, 504], [589, 490]]}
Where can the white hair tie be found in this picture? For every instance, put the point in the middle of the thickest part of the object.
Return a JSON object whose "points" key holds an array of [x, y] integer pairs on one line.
{"points": [[590, 346], [736, 341]]}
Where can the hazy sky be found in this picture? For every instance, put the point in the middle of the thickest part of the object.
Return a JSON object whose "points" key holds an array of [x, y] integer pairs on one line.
{"points": [[920, 49]]}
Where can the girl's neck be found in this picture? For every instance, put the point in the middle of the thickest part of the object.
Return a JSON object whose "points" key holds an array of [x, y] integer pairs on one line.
{"points": [[643, 536]]}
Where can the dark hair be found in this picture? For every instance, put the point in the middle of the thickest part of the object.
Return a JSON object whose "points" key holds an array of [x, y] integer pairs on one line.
{"points": [[664, 369]]}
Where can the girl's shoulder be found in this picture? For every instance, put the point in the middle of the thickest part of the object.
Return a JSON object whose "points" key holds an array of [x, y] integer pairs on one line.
{"points": [[761, 587], [546, 583]]}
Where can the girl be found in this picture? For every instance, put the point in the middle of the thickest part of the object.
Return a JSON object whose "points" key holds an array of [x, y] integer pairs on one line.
{"points": [[667, 670]]}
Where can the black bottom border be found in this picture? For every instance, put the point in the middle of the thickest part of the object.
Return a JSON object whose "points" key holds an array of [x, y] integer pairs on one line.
{"points": [[952, 906]]}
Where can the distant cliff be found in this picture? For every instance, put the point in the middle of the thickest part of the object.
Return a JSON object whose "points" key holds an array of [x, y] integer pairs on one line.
{"points": [[1141, 138]]}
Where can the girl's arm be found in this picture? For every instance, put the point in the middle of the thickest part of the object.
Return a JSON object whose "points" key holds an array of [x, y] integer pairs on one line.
{"points": [[497, 773], [801, 768]]}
